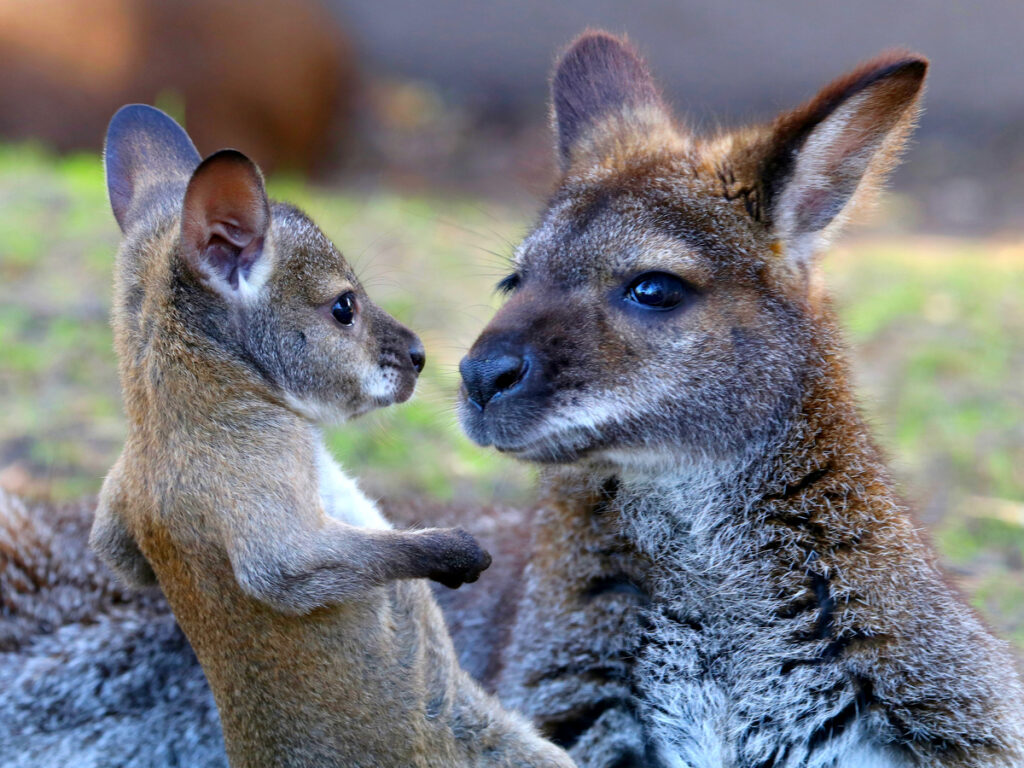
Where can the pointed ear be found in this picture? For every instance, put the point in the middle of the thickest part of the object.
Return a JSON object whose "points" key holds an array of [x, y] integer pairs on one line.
{"points": [[224, 224], [144, 146], [602, 92], [829, 156]]}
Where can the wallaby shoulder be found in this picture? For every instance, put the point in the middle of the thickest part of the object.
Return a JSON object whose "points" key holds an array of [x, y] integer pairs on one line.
{"points": [[110, 537]]}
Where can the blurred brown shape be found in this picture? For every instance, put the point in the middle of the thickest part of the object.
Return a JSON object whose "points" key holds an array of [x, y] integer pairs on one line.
{"points": [[273, 78]]}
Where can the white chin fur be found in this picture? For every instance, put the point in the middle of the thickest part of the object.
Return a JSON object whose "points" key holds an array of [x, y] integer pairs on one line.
{"points": [[382, 384], [379, 389]]}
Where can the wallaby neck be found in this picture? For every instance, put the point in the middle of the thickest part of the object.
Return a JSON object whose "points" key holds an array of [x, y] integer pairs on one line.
{"points": [[183, 384], [787, 558], [735, 609]]}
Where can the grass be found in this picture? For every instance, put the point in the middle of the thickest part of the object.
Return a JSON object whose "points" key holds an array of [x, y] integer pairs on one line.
{"points": [[936, 328]]}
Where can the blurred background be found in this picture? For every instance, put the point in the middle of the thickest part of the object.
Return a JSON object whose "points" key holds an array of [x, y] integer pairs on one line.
{"points": [[415, 134]]}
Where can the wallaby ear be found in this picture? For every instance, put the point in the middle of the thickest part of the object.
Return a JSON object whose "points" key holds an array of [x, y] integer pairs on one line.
{"points": [[831, 154], [224, 224], [144, 146], [601, 91]]}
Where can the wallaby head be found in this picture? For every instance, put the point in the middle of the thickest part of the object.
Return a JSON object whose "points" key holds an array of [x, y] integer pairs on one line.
{"points": [[250, 292], [666, 304]]}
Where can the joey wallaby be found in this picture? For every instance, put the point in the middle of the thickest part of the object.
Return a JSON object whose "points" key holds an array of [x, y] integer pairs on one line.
{"points": [[238, 326], [722, 574]]}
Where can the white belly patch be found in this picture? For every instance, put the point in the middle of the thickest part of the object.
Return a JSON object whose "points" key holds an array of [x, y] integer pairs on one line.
{"points": [[342, 498]]}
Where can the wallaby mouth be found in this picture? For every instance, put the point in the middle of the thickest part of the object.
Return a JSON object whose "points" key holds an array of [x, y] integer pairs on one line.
{"points": [[505, 401], [406, 388], [402, 360], [498, 378], [403, 380]]}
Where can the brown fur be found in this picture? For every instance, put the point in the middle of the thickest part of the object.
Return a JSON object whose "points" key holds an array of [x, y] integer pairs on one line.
{"points": [[721, 572], [309, 615], [819, 583]]}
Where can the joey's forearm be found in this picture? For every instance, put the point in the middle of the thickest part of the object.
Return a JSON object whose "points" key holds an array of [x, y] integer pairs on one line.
{"points": [[340, 563]]}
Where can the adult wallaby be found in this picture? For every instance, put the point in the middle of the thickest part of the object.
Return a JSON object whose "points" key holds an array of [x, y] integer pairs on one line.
{"points": [[722, 575], [238, 326]]}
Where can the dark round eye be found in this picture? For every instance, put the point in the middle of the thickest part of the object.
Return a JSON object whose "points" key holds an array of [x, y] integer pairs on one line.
{"points": [[344, 309], [658, 290]]}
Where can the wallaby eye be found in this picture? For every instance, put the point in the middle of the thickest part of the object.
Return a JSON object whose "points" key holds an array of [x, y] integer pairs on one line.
{"points": [[344, 309], [509, 284], [658, 290]]}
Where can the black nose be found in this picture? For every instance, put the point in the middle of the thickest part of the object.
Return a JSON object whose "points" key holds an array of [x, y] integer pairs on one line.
{"points": [[417, 355], [487, 377]]}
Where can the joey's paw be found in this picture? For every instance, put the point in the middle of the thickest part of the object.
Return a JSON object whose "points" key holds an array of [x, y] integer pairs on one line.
{"points": [[459, 559]]}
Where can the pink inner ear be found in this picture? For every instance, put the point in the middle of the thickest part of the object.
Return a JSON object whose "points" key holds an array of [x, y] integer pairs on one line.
{"points": [[225, 218], [231, 232], [231, 252], [815, 208], [836, 173]]}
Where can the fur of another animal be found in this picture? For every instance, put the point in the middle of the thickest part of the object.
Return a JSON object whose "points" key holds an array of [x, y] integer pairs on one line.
{"points": [[93, 673]]}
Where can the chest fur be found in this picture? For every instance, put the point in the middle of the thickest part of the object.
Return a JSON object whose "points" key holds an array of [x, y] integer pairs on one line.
{"points": [[737, 662], [341, 497], [683, 634], [717, 689]]}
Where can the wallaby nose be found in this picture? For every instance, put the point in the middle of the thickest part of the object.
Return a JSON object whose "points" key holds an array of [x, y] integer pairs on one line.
{"points": [[487, 377], [417, 355]]}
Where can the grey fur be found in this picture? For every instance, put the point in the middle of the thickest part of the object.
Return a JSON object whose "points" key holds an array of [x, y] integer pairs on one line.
{"points": [[92, 674]]}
